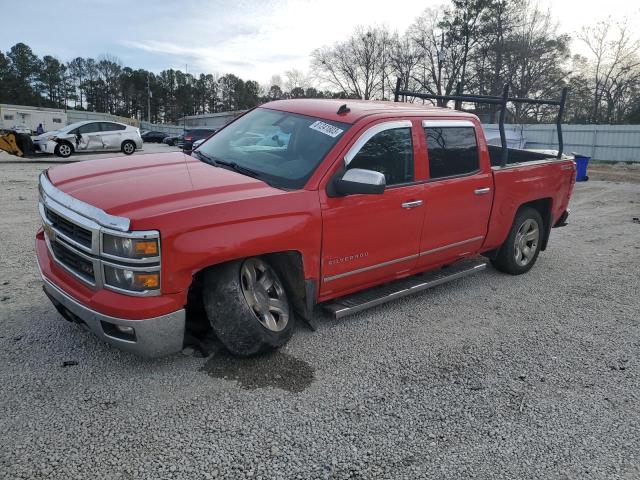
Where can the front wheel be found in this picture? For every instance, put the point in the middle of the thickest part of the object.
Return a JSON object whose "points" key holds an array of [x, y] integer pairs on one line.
{"points": [[521, 249], [128, 147], [247, 306], [63, 149]]}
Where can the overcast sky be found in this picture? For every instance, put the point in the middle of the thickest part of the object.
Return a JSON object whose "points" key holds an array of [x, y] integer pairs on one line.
{"points": [[254, 39]]}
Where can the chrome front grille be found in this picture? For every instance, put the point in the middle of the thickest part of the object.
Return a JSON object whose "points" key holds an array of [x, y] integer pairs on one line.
{"points": [[73, 261], [75, 232]]}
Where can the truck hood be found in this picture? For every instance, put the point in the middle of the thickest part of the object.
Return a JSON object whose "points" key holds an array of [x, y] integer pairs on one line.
{"points": [[143, 186]]}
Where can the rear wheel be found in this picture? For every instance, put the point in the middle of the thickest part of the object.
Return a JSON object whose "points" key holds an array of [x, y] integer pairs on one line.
{"points": [[247, 306], [521, 249], [128, 147], [63, 149]]}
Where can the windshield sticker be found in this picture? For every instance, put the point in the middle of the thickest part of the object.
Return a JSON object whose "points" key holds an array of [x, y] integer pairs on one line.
{"points": [[326, 129]]}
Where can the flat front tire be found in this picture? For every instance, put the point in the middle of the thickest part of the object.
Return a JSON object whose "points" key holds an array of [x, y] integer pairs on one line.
{"points": [[520, 250], [247, 306]]}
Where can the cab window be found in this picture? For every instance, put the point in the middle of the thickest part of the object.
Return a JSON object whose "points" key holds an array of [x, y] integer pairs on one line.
{"points": [[452, 151], [389, 152]]}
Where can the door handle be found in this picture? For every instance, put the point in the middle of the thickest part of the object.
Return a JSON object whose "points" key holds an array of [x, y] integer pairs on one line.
{"points": [[482, 191], [413, 204]]}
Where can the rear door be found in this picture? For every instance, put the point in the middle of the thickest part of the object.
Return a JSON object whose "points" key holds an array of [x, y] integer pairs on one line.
{"points": [[369, 238], [112, 135], [458, 194], [89, 137]]}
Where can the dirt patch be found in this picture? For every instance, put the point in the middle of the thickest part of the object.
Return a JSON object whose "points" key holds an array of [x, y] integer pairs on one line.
{"points": [[277, 370], [618, 172]]}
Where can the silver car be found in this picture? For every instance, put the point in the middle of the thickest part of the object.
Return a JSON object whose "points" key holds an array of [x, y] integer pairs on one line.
{"points": [[89, 136]]}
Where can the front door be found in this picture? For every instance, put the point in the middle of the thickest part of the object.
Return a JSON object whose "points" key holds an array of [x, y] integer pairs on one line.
{"points": [[367, 239]]}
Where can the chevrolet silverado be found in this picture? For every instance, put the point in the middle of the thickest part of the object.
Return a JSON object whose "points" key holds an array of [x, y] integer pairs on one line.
{"points": [[295, 204]]}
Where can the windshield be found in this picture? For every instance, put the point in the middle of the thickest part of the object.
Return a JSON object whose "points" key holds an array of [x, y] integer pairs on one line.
{"points": [[280, 148]]}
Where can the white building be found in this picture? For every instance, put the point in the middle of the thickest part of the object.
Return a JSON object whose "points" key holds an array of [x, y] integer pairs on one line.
{"points": [[19, 115]]}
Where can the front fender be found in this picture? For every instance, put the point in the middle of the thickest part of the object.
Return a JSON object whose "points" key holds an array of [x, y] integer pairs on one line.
{"points": [[296, 227]]}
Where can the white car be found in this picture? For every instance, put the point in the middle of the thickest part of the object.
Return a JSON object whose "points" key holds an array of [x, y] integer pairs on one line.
{"points": [[89, 136], [22, 128]]}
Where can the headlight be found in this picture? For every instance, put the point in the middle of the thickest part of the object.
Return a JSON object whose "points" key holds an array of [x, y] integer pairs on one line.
{"points": [[131, 280], [134, 248]]}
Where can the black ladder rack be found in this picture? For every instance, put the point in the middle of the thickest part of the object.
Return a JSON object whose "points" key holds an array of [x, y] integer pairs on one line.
{"points": [[494, 100]]}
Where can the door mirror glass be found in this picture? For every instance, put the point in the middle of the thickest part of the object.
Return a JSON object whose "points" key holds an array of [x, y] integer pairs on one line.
{"points": [[359, 180]]}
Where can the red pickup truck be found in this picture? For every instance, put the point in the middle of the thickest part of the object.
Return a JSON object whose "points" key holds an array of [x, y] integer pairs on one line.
{"points": [[295, 204]]}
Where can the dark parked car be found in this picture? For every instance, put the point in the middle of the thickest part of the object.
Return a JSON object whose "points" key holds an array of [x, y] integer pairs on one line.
{"points": [[192, 135], [154, 137], [172, 139]]}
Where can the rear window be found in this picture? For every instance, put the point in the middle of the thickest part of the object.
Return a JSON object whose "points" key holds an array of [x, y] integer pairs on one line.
{"points": [[111, 127], [452, 151]]}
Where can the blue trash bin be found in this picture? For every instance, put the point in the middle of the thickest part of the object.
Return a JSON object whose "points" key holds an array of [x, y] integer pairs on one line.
{"points": [[582, 161]]}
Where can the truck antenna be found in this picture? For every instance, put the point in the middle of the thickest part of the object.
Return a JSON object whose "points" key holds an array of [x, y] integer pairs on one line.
{"points": [[343, 109]]}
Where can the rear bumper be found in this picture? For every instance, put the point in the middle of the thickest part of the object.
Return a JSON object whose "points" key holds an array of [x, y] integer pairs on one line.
{"points": [[153, 337]]}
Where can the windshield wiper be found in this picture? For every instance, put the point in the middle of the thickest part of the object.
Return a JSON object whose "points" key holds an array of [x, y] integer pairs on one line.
{"points": [[216, 162], [238, 168], [205, 158]]}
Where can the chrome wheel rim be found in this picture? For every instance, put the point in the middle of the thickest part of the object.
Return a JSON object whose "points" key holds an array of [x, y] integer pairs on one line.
{"points": [[265, 294], [65, 150], [128, 148], [526, 243]]}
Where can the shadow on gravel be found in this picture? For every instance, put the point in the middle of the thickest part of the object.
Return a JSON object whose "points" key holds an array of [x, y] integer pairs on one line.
{"points": [[277, 369]]}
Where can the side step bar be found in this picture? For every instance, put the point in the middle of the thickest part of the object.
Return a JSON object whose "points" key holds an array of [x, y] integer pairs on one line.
{"points": [[372, 297]]}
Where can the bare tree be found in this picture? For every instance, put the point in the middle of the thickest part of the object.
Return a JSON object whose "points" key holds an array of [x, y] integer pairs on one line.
{"points": [[404, 58], [535, 59], [614, 68], [440, 54], [356, 66], [295, 78]]}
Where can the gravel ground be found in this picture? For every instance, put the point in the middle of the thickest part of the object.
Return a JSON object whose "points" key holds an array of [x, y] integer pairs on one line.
{"points": [[491, 376]]}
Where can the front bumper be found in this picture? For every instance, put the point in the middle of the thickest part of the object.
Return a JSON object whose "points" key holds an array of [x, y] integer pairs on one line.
{"points": [[152, 337], [45, 146]]}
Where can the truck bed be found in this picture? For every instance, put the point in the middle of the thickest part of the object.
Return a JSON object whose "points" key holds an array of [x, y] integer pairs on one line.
{"points": [[517, 155], [539, 177]]}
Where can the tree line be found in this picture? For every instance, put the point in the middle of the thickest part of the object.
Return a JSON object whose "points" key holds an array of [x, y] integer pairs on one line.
{"points": [[476, 45], [483, 45], [105, 85]]}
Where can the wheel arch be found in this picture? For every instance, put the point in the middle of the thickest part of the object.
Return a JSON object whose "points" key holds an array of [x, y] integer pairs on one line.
{"points": [[68, 142], [289, 264], [544, 206]]}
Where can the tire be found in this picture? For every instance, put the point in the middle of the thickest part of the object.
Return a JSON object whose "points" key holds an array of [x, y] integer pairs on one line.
{"points": [[128, 147], [520, 250], [247, 306], [63, 149]]}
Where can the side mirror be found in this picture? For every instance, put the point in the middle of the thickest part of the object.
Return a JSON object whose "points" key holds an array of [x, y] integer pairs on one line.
{"points": [[359, 180]]}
